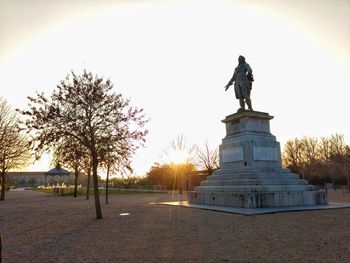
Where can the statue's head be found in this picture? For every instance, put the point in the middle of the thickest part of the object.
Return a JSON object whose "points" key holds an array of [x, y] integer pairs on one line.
{"points": [[241, 59]]}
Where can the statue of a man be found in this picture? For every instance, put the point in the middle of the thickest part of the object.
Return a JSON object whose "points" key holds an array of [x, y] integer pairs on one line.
{"points": [[243, 78]]}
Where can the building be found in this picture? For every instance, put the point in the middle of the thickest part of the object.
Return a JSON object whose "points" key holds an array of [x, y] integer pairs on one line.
{"points": [[54, 176], [24, 179], [34, 179]]}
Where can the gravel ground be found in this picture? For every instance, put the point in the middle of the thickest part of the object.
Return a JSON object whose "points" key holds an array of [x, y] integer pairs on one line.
{"points": [[36, 227]]}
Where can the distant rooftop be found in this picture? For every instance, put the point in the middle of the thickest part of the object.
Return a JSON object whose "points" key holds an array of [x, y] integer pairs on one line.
{"points": [[25, 173], [58, 170]]}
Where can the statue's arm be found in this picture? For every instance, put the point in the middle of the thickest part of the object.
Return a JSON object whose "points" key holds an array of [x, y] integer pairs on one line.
{"points": [[249, 69], [250, 75], [230, 82]]}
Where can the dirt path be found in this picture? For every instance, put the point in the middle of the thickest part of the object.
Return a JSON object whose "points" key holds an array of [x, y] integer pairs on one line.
{"points": [[39, 228]]}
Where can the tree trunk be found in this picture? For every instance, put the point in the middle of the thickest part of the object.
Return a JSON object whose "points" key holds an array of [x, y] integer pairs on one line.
{"points": [[107, 181], [180, 184], [179, 178], [88, 183], [95, 181], [76, 174], [3, 187]]}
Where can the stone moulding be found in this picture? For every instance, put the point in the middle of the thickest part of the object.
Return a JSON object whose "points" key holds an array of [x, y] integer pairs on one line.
{"points": [[259, 199]]}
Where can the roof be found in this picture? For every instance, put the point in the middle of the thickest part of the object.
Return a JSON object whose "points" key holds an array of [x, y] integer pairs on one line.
{"points": [[58, 170]]}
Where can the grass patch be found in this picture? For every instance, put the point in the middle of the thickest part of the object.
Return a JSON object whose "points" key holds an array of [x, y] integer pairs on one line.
{"points": [[130, 191], [63, 191], [82, 191], [40, 190]]}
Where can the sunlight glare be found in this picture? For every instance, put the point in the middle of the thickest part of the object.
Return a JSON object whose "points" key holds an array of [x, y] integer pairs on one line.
{"points": [[178, 157], [124, 214]]}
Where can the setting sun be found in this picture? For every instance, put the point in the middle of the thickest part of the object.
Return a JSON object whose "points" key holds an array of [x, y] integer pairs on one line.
{"points": [[178, 157]]}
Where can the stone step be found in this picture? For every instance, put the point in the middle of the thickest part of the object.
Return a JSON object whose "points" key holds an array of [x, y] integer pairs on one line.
{"points": [[256, 188], [252, 176], [244, 182], [252, 170]]}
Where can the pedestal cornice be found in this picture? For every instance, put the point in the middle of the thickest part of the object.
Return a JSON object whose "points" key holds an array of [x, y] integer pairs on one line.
{"points": [[251, 114]]}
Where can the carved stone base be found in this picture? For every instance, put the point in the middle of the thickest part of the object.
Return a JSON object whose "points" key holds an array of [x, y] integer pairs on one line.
{"points": [[259, 199], [251, 175]]}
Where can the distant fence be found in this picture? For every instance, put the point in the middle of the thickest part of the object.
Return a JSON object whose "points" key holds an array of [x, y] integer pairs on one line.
{"points": [[143, 188], [154, 188], [345, 189]]}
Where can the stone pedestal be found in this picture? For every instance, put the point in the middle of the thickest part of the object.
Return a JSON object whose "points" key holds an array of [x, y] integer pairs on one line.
{"points": [[251, 175]]}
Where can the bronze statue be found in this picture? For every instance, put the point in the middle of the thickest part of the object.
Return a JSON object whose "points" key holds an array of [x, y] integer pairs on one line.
{"points": [[243, 78]]}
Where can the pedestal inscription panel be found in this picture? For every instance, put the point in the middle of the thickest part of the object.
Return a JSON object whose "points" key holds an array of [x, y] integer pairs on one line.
{"points": [[232, 154], [265, 153]]}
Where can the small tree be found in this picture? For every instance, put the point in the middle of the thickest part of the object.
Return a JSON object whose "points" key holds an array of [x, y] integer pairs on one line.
{"points": [[162, 174], [179, 152], [115, 160], [167, 174], [71, 154], [84, 108], [15, 151], [206, 159]]}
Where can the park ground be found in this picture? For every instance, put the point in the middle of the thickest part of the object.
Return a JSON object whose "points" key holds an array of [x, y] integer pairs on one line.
{"points": [[37, 227]]}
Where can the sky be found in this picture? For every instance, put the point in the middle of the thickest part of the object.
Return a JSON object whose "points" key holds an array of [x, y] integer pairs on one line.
{"points": [[173, 59]]}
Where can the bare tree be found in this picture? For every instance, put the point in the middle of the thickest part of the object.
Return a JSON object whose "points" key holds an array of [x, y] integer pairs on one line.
{"points": [[302, 156], [310, 155], [15, 150], [320, 159], [337, 144], [84, 108], [293, 155], [325, 153], [324, 149], [346, 166], [337, 156], [206, 159], [310, 148]]}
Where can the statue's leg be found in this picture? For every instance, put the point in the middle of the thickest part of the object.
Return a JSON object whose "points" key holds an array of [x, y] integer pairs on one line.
{"points": [[241, 103], [249, 103]]}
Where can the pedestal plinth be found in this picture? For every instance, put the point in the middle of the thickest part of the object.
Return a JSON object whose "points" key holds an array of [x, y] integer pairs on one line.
{"points": [[250, 174]]}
